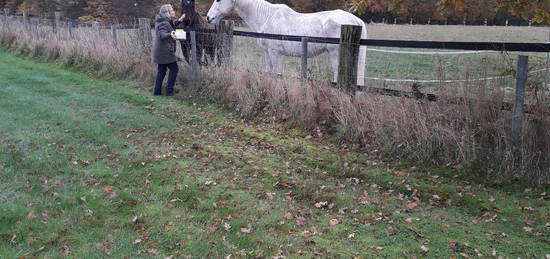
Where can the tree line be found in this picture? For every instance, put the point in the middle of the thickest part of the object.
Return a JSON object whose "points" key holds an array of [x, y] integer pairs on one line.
{"points": [[421, 11]]}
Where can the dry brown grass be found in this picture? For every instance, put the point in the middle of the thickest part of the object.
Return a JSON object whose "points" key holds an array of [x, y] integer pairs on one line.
{"points": [[472, 134], [85, 49]]}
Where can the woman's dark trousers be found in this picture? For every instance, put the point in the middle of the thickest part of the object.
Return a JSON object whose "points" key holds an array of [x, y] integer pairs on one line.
{"points": [[171, 78]]}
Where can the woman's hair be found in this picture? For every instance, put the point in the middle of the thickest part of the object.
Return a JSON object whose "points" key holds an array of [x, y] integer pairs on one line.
{"points": [[165, 10]]}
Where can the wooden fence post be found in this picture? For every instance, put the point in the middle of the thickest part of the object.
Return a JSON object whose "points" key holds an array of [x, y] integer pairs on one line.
{"points": [[34, 26], [57, 22], [95, 26], [26, 20], [145, 30], [194, 56], [224, 40], [521, 81], [304, 58], [6, 16], [70, 29], [546, 83], [113, 33], [350, 38]]}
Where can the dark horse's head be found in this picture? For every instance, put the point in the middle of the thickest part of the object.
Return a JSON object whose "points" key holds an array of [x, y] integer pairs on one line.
{"points": [[192, 18], [187, 6]]}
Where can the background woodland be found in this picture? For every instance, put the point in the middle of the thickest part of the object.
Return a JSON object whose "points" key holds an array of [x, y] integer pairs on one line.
{"points": [[518, 12]]}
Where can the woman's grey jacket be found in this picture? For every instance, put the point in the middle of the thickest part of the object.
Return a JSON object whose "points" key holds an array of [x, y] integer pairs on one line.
{"points": [[164, 46]]}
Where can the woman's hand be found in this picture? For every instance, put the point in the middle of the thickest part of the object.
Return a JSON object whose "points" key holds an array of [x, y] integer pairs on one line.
{"points": [[173, 34], [182, 17]]}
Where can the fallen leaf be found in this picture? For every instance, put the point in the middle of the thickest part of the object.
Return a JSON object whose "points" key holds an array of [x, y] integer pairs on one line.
{"points": [[137, 241], [527, 229], [31, 215], [333, 222], [288, 215], [65, 250], [88, 212], [105, 248], [412, 205], [377, 248], [321, 204], [400, 174], [424, 249], [300, 221], [107, 189], [130, 202], [30, 240], [409, 220], [305, 233], [246, 230], [112, 196], [212, 228], [492, 199]]}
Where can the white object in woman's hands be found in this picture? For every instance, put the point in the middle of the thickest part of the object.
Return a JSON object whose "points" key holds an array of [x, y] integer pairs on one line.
{"points": [[180, 34]]}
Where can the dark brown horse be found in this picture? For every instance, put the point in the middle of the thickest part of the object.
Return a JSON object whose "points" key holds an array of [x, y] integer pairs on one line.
{"points": [[206, 42]]}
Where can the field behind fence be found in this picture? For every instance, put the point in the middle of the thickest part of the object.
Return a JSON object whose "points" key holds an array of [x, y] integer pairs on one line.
{"points": [[473, 133]]}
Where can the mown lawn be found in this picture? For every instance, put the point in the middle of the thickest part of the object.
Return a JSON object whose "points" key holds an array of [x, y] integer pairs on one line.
{"points": [[93, 168]]}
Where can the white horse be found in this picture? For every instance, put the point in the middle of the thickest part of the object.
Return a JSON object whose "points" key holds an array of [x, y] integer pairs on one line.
{"points": [[264, 17]]}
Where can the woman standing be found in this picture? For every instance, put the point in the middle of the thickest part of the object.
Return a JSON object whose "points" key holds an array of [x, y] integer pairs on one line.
{"points": [[164, 49]]}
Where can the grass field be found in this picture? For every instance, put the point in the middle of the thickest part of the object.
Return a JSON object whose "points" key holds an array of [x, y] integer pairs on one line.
{"points": [[92, 168]]}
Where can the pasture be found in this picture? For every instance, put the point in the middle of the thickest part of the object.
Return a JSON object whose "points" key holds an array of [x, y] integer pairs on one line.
{"points": [[99, 168], [424, 65]]}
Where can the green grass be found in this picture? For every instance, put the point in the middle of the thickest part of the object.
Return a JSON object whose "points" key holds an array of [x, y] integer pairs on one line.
{"points": [[92, 168]]}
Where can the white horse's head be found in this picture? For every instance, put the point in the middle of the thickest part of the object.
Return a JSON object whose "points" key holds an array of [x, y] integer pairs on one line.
{"points": [[219, 9]]}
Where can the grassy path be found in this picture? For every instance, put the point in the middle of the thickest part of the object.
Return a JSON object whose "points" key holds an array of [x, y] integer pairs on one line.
{"points": [[92, 168]]}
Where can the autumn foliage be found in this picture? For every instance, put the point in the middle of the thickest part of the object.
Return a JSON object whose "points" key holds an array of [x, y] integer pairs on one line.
{"points": [[438, 11], [473, 11]]}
